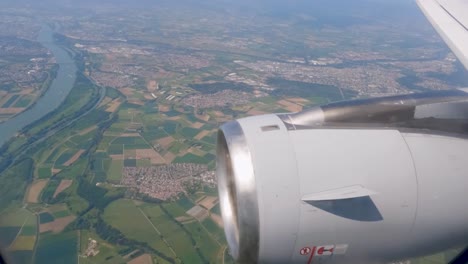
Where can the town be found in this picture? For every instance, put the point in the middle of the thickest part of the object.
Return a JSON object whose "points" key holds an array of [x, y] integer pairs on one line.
{"points": [[165, 181]]}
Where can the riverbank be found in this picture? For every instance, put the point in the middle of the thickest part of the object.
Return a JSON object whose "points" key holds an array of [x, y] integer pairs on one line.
{"points": [[53, 97]]}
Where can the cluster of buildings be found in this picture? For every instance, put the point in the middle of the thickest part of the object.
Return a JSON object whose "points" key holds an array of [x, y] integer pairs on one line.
{"points": [[161, 182], [113, 79], [377, 79], [208, 178], [30, 75], [31, 70], [258, 84], [223, 98], [195, 61], [366, 79], [92, 249], [21, 23]]}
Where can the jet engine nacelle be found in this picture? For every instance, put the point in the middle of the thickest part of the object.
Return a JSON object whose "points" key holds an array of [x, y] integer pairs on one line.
{"points": [[371, 180]]}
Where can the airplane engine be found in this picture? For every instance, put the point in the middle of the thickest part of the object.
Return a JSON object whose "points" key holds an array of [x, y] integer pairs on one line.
{"points": [[363, 181]]}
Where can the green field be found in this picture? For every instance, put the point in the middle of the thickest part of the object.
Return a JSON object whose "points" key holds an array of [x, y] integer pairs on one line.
{"points": [[211, 226], [175, 209], [172, 113], [60, 214], [189, 132], [143, 163], [216, 209], [137, 146], [130, 163], [185, 203], [49, 190], [174, 234], [191, 158], [46, 217], [15, 217], [125, 216], [170, 127], [10, 101], [7, 235], [75, 169], [216, 232], [57, 248], [20, 256], [152, 211], [176, 147], [151, 133], [207, 245], [182, 246], [23, 243], [83, 141], [24, 101], [13, 182], [114, 174], [133, 224], [64, 157], [129, 141], [118, 127], [210, 139], [44, 172], [76, 204], [115, 149], [55, 154], [105, 142], [179, 240], [29, 230]]}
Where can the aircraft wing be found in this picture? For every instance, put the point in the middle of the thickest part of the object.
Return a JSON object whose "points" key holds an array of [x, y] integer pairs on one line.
{"points": [[450, 19]]}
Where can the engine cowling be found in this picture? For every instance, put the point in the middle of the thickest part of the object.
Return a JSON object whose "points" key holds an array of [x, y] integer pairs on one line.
{"points": [[361, 181]]}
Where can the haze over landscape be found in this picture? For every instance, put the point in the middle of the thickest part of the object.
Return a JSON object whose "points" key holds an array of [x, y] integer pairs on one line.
{"points": [[109, 110]]}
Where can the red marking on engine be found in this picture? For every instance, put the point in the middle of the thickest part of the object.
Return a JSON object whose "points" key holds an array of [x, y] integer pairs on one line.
{"points": [[311, 255], [322, 250], [305, 251]]}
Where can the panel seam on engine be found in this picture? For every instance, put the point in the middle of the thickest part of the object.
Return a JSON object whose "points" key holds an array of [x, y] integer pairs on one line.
{"points": [[417, 182]]}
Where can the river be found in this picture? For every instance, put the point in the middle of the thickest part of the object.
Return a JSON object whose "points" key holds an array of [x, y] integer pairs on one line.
{"points": [[55, 94]]}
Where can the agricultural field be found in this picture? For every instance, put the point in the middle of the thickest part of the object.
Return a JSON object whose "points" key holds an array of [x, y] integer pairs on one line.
{"points": [[138, 139], [8, 235], [64, 151], [142, 259], [214, 228], [168, 237], [14, 182], [205, 241], [174, 209], [177, 239], [57, 248], [23, 243], [55, 218], [134, 224], [35, 190], [18, 233]]}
